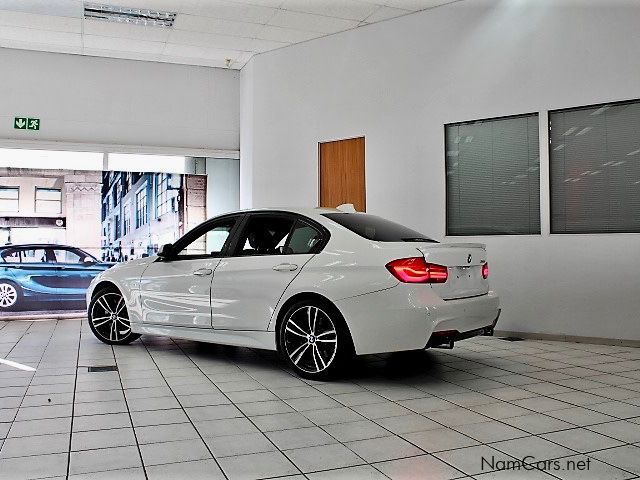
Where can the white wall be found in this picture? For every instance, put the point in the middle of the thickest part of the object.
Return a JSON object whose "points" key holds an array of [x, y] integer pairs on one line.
{"points": [[399, 81], [84, 99], [223, 185]]}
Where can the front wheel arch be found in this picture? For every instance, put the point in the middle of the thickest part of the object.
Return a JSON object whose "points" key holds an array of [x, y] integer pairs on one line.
{"points": [[103, 285], [103, 289]]}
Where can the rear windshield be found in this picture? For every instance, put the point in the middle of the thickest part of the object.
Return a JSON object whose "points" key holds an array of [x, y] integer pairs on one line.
{"points": [[375, 228]]}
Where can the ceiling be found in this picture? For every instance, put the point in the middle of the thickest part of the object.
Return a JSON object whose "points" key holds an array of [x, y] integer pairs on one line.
{"points": [[205, 32]]}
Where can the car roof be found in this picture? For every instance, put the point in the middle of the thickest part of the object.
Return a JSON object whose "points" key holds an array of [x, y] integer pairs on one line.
{"points": [[36, 245], [306, 211]]}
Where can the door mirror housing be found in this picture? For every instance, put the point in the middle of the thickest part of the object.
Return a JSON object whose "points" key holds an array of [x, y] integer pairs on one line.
{"points": [[88, 261], [167, 252]]}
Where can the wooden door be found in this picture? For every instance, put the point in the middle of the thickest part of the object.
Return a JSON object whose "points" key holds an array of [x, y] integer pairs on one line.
{"points": [[342, 178]]}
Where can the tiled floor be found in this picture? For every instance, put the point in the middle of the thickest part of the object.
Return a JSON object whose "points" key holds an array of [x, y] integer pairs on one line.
{"points": [[177, 409]]}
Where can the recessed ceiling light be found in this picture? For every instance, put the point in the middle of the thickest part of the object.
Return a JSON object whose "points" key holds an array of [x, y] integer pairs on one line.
{"points": [[133, 16]]}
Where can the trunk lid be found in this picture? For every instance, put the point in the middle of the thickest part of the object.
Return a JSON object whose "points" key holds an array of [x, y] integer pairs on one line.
{"points": [[464, 262]]}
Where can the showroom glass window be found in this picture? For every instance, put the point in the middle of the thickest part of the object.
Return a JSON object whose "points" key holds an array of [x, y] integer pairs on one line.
{"points": [[9, 199], [162, 194], [493, 176], [141, 207], [126, 214], [48, 200], [594, 156]]}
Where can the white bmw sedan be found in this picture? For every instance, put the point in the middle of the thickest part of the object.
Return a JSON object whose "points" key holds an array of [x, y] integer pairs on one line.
{"points": [[318, 285]]}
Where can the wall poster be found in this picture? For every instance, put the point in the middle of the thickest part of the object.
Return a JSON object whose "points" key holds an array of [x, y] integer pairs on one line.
{"points": [[61, 228]]}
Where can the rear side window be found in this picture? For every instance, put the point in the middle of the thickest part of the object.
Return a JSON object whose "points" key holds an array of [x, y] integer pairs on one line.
{"points": [[303, 239], [264, 235], [37, 255], [376, 228]]}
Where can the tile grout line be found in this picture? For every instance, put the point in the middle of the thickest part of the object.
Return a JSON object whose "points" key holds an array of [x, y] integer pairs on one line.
{"points": [[135, 435], [73, 404], [180, 403], [32, 376], [323, 394]]}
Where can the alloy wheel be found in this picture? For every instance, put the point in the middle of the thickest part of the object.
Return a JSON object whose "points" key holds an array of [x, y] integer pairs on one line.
{"points": [[109, 317], [8, 295], [311, 339]]}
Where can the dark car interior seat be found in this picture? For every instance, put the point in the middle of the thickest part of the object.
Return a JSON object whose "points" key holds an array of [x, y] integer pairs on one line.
{"points": [[265, 236]]}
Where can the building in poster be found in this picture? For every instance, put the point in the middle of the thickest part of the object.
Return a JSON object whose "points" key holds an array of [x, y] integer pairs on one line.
{"points": [[50, 206], [61, 228], [143, 211]]}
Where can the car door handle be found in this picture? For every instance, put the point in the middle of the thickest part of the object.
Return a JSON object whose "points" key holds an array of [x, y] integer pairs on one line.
{"points": [[203, 272], [285, 267]]}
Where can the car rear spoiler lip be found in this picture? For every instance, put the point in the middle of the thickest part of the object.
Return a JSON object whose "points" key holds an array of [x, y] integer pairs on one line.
{"points": [[447, 339]]}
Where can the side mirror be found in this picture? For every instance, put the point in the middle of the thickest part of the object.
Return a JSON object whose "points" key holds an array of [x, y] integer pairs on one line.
{"points": [[167, 251], [88, 261]]}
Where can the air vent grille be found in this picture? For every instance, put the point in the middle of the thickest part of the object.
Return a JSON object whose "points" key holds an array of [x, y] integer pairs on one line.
{"points": [[130, 15], [102, 368]]}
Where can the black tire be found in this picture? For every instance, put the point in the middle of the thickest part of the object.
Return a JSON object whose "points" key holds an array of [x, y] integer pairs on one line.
{"points": [[11, 297], [314, 339], [109, 318]]}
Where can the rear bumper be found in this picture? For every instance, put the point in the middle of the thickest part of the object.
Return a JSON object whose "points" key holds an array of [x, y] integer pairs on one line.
{"points": [[406, 316], [447, 338], [466, 314]]}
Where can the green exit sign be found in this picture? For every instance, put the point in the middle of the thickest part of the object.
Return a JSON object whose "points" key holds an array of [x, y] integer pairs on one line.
{"points": [[26, 123]]}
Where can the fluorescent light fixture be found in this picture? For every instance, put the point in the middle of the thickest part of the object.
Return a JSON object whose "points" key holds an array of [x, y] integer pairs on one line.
{"points": [[131, 15]]}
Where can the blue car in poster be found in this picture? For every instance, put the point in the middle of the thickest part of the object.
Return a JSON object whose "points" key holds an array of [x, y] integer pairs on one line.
{"points": [[39, 275]]}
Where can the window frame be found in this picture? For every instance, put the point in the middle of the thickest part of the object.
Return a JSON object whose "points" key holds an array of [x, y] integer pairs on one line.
{"points": [[17, 199], [48, 253], [312, 251], [140, 191], [76, 251], [549, 150], [36, 200], [126, 218], [162, 198], [446, 187], [296, 217]]}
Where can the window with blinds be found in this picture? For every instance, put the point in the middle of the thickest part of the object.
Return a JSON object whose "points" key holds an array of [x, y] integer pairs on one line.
{"points": [[595, 168], [493, 176]]}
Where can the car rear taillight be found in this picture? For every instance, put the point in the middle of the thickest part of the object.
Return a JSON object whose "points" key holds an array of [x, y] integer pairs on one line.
{"points": [[417, 270], [485, 271]]}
